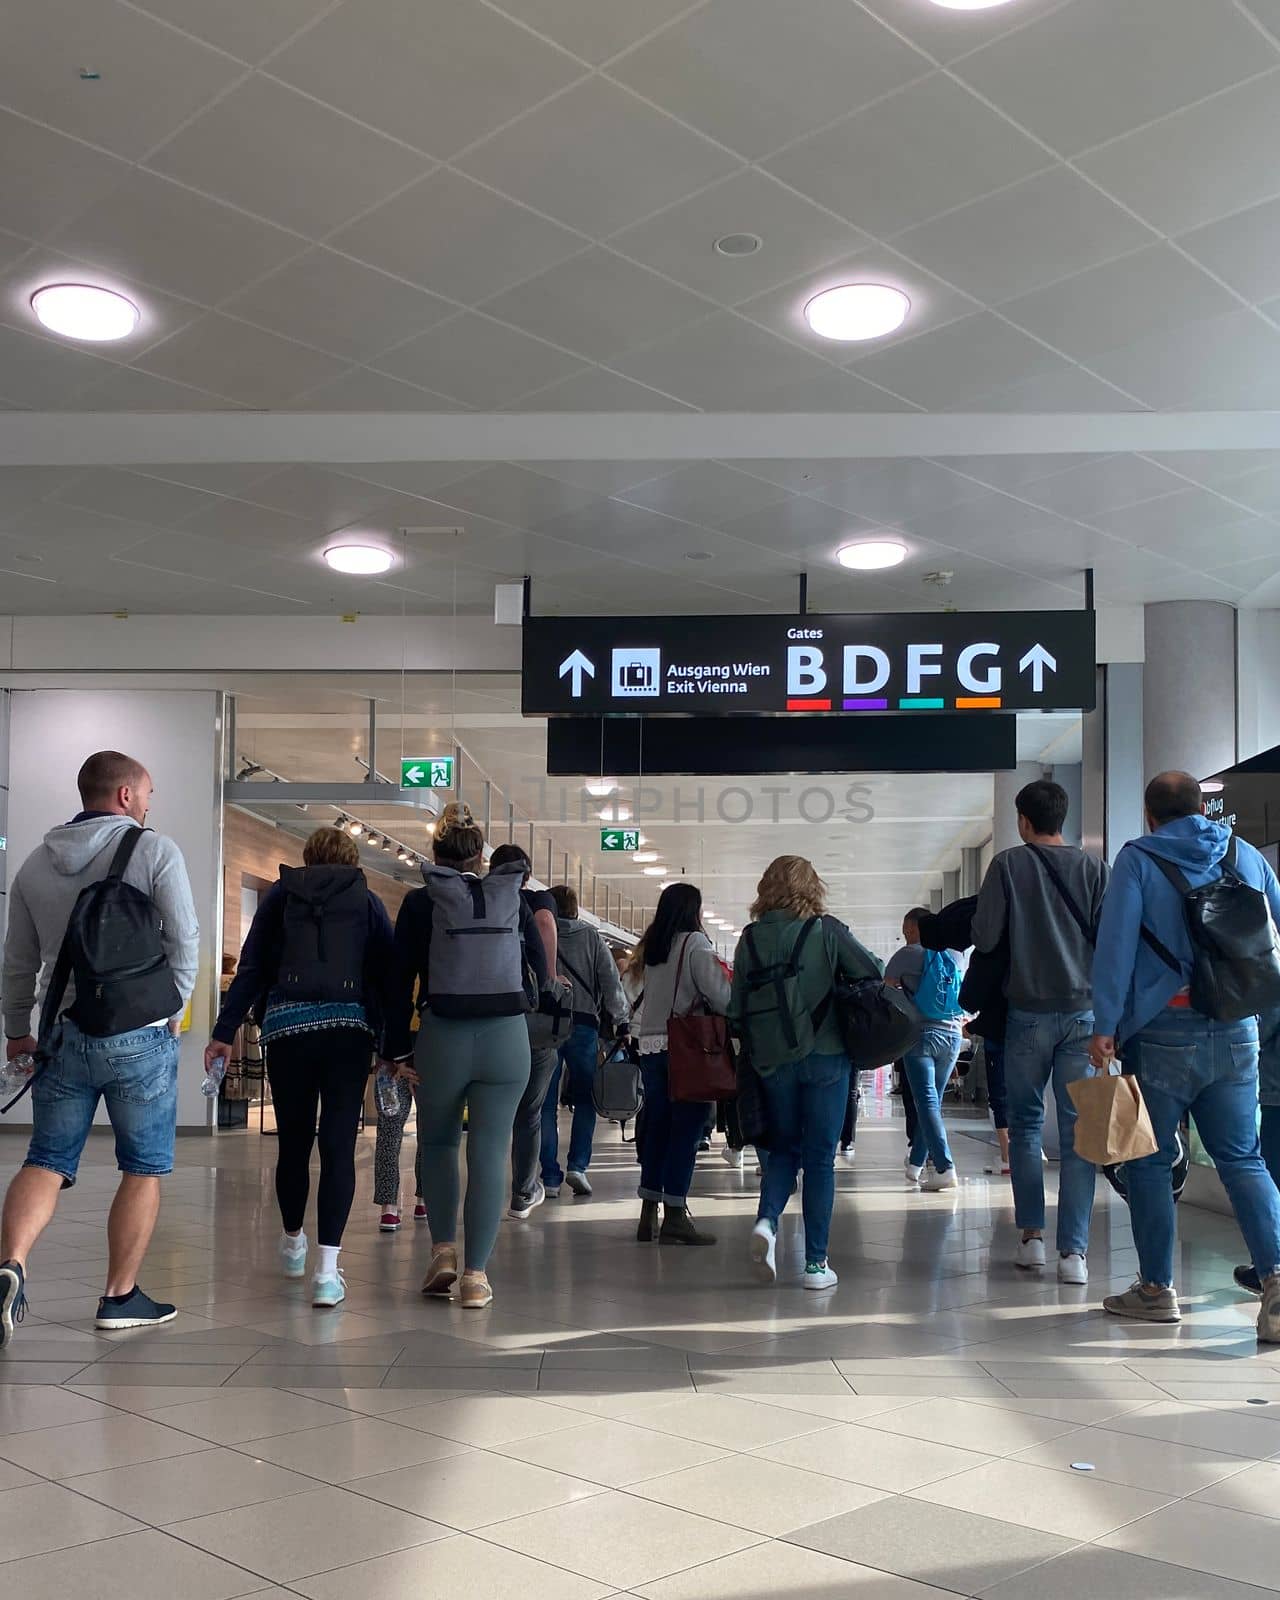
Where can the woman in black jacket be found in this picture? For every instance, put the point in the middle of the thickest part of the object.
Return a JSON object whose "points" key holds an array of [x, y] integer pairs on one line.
{"points": [[313, 969]]}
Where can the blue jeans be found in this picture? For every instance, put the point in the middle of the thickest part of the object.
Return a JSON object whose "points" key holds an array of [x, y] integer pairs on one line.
{"points": [[1043, 1047], [672, 1132], [929, 1065], [805, 1102], [135, 1073], [578, 1059], [1186, 1062]]}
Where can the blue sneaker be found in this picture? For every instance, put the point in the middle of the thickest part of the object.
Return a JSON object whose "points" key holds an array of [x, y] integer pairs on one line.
{"points": [[13, 1299], [328, 1292], [133, 1310]]}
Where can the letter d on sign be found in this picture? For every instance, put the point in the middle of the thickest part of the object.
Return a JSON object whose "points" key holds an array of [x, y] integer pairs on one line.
{"points": [[805, 672], [854, 656]]}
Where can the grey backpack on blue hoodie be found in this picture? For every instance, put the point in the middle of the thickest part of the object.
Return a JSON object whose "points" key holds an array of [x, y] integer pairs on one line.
{"points": [[477, 966]]}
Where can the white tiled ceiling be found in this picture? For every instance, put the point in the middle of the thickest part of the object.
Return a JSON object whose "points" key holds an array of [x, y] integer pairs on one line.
{"points": [[365, 205]]}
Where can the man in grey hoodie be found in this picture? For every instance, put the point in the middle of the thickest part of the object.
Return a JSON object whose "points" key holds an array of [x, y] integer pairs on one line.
{"points": [[135, 1073]]}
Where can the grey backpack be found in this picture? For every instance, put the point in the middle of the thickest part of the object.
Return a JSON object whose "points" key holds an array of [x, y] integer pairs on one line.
{"points": [[477, 966]]}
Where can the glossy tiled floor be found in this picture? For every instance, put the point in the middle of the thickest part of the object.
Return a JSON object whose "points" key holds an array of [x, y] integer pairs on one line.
{"points": [[636, 1421]]}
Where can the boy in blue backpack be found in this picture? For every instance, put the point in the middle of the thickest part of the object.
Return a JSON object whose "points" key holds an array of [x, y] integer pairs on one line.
{"points": [[932, 979]]}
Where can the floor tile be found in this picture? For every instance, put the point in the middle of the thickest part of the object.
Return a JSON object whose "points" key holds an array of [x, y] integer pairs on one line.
{"points": [[1090, 1570], [214, 1480], [933, 1544], [619, 1539], [171, 1568], [1157, 1465], [789, 1572], [239, 1415], [16, 1373], [1256, 1490], [145, 1397], [351, 1449], [160, 1351], [117, 1440], [1081, 1412], [325, 1528], [860, 1454], [13, 1477], [1230, 1432], [47, 1516], [657, 1385], [732, 1423], [843, 1408], [613, 1453], [765, 1383], [154, 1373], [968, 1426], [1206, 1538], [471, 1489], [313, 1377], [459, 1568], [368, 1402], [760, 1496], [488, 1419], [1072, 1504]]}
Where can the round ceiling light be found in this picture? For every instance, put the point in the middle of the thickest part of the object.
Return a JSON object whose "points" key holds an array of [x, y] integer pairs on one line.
{"points": [[855, 311], [1212, 786], [358, 560], [872, 555], [643, 856], [600, 786], [83, 311], [615, 811], [654, 872]]}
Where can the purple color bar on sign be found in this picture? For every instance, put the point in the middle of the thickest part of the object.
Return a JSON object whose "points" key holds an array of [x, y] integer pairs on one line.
{"points": [[866, 705]]}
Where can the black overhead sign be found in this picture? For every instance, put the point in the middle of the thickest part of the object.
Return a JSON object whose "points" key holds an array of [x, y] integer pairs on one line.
{"points": [[838, 665]]}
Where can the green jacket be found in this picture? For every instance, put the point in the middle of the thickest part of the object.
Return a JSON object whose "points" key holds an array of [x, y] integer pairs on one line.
{"points": [[829, 950]]}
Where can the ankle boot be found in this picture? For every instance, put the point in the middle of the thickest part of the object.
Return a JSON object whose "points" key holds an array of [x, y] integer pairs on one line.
{"points": [[678, 1228], [647, 1232]]}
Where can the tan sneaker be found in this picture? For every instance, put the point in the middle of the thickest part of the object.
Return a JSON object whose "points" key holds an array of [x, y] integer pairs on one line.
{"points": [[1269, 1316], [1141, 1304], [443, 1271], [475, 1293]]}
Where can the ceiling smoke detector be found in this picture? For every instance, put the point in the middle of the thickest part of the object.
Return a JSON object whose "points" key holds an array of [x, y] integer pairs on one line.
{"points": [[738, 244], [940, 579]]}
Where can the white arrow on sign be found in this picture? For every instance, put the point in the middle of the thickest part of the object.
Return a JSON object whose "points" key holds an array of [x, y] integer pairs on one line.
{"points": [[576, 664], [415, 774], [1039, 661]]}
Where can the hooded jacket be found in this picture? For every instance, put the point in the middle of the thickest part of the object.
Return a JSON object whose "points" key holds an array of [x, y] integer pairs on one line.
{"points": [[1131, 984], [583, 957], [45, 890]]}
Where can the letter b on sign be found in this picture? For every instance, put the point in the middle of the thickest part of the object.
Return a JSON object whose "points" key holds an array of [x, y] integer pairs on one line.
{"points": [[805, 672]]}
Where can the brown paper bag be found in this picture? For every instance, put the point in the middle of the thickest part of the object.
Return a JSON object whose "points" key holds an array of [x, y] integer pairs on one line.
{"points": [[1113, 1122]]}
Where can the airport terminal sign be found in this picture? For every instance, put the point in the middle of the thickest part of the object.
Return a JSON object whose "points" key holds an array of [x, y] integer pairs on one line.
{"points": [[835, 665]]}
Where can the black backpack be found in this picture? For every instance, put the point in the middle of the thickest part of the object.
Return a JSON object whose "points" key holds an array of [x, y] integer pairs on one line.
{"points": [[1235, 970], [326, 929], [113, 948]]}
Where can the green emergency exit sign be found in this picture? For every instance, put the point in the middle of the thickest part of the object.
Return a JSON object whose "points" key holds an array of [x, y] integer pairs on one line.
{"points": [[619, 838], [426, 772]]}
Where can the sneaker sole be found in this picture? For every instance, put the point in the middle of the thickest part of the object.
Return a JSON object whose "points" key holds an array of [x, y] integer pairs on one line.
{"points": [[388, 1227], [440, 1285], [1160, 1318], [765, 1270], [115, 1324], [821, 1288], [584, 1193], [476, 1305], [326, 1305], [10, 1289]]}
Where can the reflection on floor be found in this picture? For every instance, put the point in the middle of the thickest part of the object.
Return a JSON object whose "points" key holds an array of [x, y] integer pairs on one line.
{"points": [[637, 1420]]}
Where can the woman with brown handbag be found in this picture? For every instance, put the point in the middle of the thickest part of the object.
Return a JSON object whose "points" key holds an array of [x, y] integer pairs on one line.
{"points": [[675, 964]]}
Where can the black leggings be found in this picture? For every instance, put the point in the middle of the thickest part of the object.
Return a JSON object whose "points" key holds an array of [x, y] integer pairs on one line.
{"points": [[328, 1069]]}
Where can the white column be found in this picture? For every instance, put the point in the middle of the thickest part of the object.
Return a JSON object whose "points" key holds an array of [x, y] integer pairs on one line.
{"points": [[174, 734], [1189, 687], [1005, 816]]}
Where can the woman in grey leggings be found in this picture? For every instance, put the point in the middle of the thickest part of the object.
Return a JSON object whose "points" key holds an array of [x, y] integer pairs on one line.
{"points": [[479, 1063]]}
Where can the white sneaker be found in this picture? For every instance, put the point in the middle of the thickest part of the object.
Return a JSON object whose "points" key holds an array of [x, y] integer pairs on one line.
{"points": [[764, 1252], [293, 1256], [733, 1157], [327, 1292], [1030, 1254], [1073, 1268], [937, 1181], [914, 1173], [577, 1181], [818, 1275], [847, 1153]]}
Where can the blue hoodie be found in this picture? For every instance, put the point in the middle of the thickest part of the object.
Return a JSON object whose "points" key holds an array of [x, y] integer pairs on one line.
{"points": [[1131, 984]]}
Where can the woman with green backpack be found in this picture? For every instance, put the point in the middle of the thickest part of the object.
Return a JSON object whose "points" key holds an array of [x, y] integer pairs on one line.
{"points": [[787, 965]]}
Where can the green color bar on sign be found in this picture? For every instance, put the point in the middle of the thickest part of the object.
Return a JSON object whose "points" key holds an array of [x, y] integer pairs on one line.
{"points": [[916, 703]]}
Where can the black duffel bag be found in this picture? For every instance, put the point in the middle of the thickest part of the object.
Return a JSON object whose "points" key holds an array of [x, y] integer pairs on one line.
{"points": [[878, 1023]]}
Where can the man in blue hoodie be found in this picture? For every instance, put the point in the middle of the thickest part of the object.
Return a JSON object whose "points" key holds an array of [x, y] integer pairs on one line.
{"points": [[1184, 1060]]}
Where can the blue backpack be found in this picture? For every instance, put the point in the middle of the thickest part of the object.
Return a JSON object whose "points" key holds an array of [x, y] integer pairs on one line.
{"points": [[937, 995]]}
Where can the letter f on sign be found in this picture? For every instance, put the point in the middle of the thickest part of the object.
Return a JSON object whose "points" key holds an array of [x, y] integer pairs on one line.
{"points": [[805, 672], [918, 668]]}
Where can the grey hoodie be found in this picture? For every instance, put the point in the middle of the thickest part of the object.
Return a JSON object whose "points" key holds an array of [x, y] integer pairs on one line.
{"points": [[583, 957], [45, 889]]}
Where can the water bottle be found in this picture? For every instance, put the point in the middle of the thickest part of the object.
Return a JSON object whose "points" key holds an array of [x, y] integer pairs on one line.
{"points": [[15, 1074], [386, 1092], [214, 1073]]}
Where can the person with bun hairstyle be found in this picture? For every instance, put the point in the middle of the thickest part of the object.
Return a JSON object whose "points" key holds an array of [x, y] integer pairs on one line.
{"points": [[314, 969], [473, 949]]}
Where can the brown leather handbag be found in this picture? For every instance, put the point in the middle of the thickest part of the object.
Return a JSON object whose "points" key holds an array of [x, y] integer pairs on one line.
{"points": [[700, 1064]]}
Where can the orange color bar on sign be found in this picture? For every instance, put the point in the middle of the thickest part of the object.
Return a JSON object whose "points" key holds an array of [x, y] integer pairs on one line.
{"points": [[979, 703]]}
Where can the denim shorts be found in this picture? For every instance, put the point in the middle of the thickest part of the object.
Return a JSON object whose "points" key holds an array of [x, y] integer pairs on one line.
{"points": [[135, 1073]]}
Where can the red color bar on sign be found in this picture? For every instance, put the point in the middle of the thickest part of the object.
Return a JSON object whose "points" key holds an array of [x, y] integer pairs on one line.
{"points": [[808, 705], [991, 702]]}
